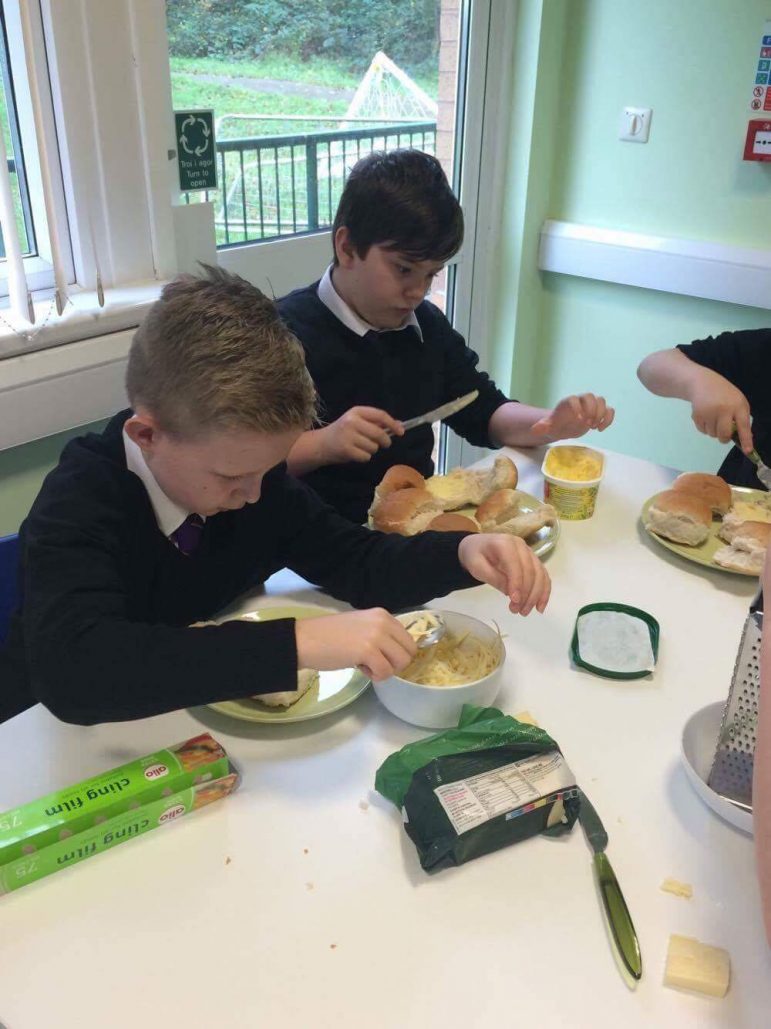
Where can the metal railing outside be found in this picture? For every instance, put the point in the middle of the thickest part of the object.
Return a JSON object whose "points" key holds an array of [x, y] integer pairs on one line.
{"points": [[277, 186]]}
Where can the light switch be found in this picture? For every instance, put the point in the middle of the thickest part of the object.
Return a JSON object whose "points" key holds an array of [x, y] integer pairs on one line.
{"points": [[635, 124]]}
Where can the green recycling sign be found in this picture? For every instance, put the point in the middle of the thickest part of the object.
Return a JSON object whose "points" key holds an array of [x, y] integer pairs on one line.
{"points": [[196, 150]]}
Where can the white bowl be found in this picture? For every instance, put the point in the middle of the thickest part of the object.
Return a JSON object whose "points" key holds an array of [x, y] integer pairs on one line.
{"points": [[439, 707], [698, 749]]}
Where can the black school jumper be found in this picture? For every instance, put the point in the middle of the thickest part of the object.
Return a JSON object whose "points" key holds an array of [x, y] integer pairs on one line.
{"points": [[396, 372], [102, 632]]}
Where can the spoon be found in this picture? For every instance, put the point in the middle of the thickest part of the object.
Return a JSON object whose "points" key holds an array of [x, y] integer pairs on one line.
{"points": [[428, 637]]}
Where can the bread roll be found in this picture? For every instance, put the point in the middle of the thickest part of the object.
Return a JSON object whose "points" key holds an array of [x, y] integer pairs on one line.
{"points": [[463, 488], [306, 678], [710, 488], [406, 511], [747, 551], [680, 517], [450, 522], [499, 507], [453, 490]]}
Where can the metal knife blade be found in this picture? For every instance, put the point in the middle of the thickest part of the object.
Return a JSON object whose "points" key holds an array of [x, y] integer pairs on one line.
{"points": [[442, 412], [763, 472], [616, 912]]}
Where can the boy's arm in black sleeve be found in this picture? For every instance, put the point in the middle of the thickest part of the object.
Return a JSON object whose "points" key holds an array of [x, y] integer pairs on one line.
{"points": [[89, 662], [368, 569], [743, 358]]}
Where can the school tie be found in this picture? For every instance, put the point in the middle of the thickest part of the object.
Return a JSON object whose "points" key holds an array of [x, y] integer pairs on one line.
{"points": [[188, 535]]}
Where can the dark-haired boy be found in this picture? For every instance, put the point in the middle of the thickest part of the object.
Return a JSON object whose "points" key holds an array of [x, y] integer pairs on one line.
{"points": [[380, 353], [183, 503]]}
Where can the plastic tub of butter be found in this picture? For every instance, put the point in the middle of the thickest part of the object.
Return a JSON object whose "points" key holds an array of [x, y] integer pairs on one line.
{"points": [[572, 477]]}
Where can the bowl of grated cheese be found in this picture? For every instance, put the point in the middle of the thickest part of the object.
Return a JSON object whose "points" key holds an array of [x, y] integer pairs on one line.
{"points": [[464, 667]]}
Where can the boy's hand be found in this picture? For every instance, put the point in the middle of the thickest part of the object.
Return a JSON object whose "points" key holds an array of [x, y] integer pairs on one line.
{"points": [[372, 640], [716, 404], [358, 434], [508, 564], [574, 416]]}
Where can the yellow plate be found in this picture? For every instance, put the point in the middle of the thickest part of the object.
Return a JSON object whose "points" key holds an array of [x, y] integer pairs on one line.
{"points": [[540, 542], [335, 690], [705, 552]]}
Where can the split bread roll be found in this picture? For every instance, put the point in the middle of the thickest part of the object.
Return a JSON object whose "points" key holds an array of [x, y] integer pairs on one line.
{"points": [[306, 679], [451, 522], [400, 476], [747, 550], [463, 488], [710, 488], [501, 513], [406, 511], [680, 517]]}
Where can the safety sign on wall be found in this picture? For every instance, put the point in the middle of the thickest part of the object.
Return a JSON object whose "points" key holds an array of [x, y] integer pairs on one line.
{"points": [[196, 150], [761, 87]]}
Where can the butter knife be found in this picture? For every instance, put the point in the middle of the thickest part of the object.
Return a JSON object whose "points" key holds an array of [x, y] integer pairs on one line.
{"points": [[439, 413], [617, 914], [762, 470]]}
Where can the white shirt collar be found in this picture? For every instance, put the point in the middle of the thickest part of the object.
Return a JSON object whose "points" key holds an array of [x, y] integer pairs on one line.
{"points": [[168, 514], [329, 296]]}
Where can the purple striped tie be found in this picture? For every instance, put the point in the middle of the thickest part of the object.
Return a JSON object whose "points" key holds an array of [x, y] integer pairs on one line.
{"points": [[188, 535]]}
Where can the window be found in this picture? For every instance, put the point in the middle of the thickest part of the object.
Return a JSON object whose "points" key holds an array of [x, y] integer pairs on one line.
{"points": [[41, 238]]}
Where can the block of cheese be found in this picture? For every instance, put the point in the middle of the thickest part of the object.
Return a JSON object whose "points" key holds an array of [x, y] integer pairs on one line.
{"points": [[692, 965], [679, 889]]}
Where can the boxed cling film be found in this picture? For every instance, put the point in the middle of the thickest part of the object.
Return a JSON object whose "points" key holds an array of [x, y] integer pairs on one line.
{"points": [[125, 826], [25, 830], [469, 791]]}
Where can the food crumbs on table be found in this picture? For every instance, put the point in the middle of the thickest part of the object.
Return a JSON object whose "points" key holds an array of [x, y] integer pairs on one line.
{"points": [[333, 946], [228, 860], [305, 850], [309, 886], [363, 805], [678, 889]]}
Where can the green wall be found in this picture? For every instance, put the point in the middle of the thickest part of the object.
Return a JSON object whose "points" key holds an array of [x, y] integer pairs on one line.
{"points": [[22, 469], [691, 61]]}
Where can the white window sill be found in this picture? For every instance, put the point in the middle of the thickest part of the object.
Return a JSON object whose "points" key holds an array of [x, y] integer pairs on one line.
{"points": [[71, 373]]}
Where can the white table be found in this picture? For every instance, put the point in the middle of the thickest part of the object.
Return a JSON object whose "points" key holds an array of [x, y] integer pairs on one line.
{"points": [[323, 917]]}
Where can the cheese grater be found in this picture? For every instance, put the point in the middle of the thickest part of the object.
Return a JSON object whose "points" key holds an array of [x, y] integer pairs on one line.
{"points": [[731, 772]]}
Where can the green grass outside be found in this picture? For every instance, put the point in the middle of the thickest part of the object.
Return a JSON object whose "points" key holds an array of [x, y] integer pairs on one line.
{"points": [[189, 93], [318, 72]]}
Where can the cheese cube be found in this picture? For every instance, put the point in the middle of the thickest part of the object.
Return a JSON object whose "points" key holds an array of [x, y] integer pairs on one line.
{"points": [[697, 966], [679, 889]]}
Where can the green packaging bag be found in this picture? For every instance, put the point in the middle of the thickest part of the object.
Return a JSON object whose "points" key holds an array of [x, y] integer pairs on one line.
{"points": [[27, 829], [118, 829], [469, 791]]}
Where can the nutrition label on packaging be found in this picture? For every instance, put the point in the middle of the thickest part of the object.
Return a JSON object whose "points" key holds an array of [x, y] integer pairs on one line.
{"points": [[509, 790]]}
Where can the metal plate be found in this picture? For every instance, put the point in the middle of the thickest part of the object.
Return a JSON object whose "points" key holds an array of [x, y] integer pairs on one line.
{"points": [[704, 554], [335, 690]]}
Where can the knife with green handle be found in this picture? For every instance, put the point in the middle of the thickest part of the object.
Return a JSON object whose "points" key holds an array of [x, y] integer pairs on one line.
{"points": [[617, 913]]}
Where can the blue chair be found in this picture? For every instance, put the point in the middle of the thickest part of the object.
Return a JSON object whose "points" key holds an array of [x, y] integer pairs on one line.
{"points": [[12, 700], [9, 586]]}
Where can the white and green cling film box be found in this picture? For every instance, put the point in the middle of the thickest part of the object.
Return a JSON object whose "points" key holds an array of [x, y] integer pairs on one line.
{"points": [[125, 826], [27, 829]]}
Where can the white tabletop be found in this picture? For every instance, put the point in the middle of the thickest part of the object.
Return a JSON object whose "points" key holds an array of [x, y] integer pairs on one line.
{"points": [[322, 915]]}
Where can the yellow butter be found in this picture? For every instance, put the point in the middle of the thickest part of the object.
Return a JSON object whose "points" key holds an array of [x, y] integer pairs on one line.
{"points": [[574, 464], [692, 965]]}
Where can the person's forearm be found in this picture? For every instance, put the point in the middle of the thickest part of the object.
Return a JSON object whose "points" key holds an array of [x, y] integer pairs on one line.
{"points": [[308, 453], [114, 670], [511, 425], [669, 373]]}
